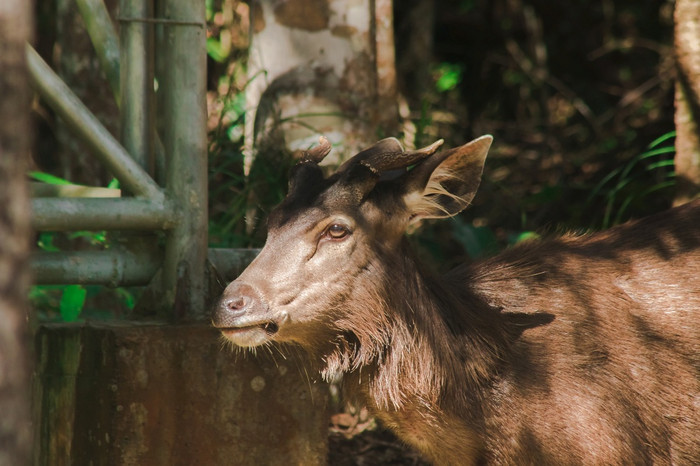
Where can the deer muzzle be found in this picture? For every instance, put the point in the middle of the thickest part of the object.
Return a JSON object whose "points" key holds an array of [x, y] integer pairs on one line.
{"points": [[244, 317]]}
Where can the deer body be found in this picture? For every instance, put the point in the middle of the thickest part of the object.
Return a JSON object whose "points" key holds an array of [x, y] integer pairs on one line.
{"points": [[577, 350]]}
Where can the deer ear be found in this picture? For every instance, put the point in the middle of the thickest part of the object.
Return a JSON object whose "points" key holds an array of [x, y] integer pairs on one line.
{"points": [[445, 183]]}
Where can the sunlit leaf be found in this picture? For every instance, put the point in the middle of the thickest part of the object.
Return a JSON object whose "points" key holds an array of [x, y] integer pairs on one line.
{"points": [[45, 242], [523, 236], [215, 51], [449, 76], [47, 178], [72, 302]]}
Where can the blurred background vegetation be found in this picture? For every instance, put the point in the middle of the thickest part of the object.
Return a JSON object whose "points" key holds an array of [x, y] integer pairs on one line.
{"points": [[578, 95]]}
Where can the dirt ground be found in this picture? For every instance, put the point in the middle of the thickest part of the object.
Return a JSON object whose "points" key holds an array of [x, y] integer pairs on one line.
{"points": [[371, 447], [357, 440]]}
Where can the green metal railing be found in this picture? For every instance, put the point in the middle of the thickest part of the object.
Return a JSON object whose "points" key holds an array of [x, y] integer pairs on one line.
{"points": [[177, 205]]}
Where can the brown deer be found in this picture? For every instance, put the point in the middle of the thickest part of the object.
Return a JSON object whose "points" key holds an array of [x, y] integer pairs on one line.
{"points": [[573, 350]]}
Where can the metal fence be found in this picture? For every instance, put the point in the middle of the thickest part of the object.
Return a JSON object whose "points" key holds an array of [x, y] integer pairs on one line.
{"points": [[175, 156]]}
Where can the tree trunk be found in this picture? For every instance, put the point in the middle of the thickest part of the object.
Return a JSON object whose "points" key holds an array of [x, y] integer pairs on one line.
{"points": [[686, 43], [316, 67], [15, 29], [320, 67]]}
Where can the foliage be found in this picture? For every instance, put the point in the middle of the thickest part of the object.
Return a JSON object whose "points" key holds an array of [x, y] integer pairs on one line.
{"points": [[449, 75], [72, 302], [48, 178], [570, 94], [621, 187], [68, 303], [573, 93]]}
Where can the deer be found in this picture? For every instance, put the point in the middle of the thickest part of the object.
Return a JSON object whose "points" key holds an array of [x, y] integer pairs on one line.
{"points": [[575, 349]]}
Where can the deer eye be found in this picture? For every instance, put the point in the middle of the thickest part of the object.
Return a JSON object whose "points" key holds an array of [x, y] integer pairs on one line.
{"points": [[337, 231]]}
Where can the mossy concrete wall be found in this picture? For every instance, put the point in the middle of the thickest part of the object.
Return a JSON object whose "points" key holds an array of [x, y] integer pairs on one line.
{"points": [[152, 394]]}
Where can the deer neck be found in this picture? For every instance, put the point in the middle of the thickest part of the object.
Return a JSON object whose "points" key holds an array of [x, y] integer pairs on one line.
{"points": [[431, 341]]}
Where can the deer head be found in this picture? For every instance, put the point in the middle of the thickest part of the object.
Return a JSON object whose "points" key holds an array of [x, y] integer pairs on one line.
{"points": [[334, 237]]}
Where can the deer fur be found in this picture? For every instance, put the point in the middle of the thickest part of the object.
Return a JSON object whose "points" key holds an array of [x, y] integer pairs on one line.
{"points": [[572, 350]]}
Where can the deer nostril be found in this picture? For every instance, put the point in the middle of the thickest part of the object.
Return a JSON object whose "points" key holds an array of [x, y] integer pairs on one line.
{"points": [[237, 304]]}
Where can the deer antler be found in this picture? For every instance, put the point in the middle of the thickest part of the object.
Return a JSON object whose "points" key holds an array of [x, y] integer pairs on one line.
{"points": [[318, 153], [363, 170], [388, 154]]}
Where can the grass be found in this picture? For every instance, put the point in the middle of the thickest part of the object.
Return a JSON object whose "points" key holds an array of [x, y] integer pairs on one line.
{"points": [[626, 185]]}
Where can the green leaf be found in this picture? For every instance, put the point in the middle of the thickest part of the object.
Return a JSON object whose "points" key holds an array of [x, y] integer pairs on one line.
{"points": [[523, 236], [215, 50], [45, 242], [114, 184], [127, 297], [663, 138], [449, 76], [46, 178], [98, 238], [209, 8], [72, 302]]}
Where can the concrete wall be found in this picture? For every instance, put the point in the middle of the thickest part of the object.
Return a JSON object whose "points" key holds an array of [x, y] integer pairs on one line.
{"points": [[152, 394]]}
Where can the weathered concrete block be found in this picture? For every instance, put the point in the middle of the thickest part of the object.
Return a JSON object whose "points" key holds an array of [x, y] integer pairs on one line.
{"points": [[156, 394]]}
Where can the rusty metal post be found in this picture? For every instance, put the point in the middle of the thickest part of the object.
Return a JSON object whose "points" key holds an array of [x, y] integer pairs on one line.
{"points": [[185, 140], [84, 124], [104, 39], [136, 83]]}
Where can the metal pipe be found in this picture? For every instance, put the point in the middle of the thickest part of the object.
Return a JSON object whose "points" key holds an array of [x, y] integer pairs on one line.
{"points": [[137, 85], [59, 96], [185, 140], [106, 42], [112, 267], [71, 214], [125, 268], [228, 264], [104, 38]]}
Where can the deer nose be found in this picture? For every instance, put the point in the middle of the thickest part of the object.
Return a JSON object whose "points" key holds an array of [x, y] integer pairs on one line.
{"points": [[239, 299], [238, 304]]}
